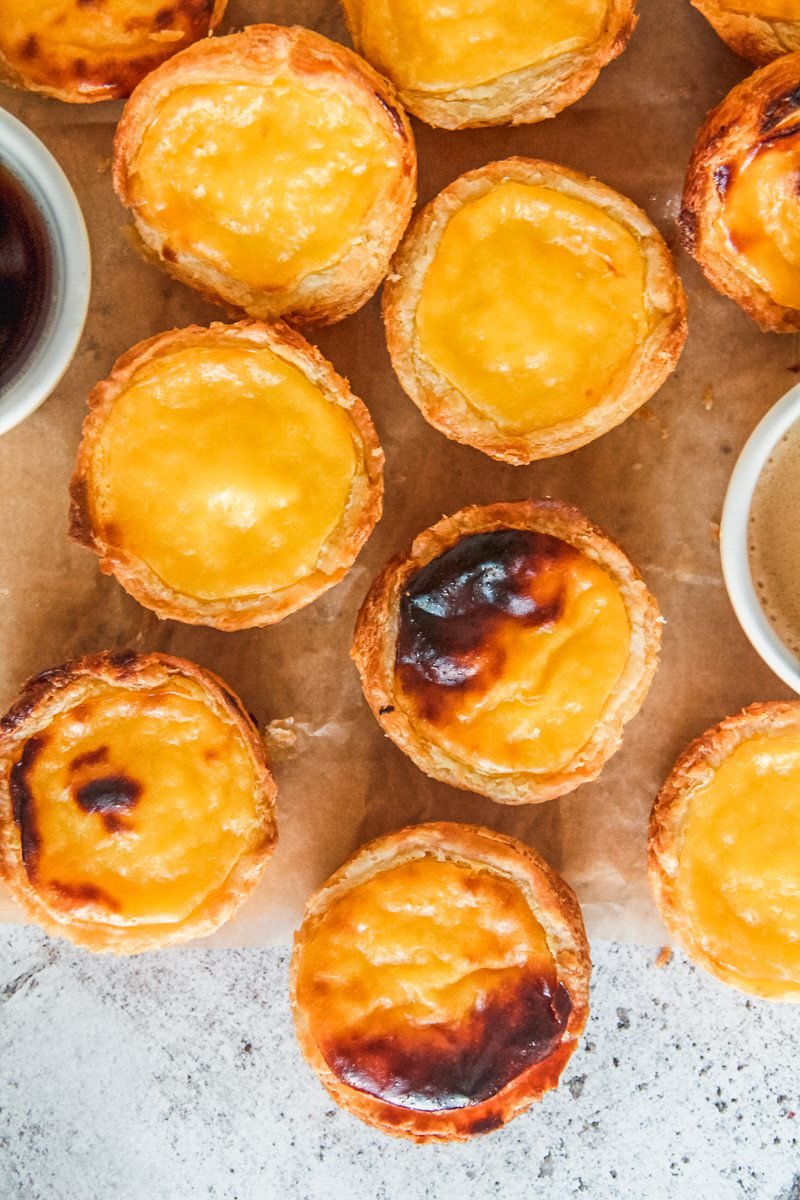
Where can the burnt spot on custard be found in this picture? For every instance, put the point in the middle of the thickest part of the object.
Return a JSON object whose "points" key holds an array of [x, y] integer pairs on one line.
{"points": [[74, 894], [23, 808], [437, 1067], [777, 111], [451, 610], [109, 797], [722, 179], [89, 758]]}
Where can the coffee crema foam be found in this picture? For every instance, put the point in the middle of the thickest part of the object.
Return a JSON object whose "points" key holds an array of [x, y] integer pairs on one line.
{"points": [[774, 539]]}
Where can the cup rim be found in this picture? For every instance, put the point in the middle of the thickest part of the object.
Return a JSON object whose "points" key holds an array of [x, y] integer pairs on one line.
{"points": [[23, 152], [735, 540]]}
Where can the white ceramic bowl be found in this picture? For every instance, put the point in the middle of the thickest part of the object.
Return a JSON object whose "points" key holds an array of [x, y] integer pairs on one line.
{"points": [[25, 156], [734, 538]]}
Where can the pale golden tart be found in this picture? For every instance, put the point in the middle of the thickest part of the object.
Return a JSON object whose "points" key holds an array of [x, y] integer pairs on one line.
{"points": [[87, 50], [227, 476], [137, 808], [440, 980], [724, 851], [531, 309], [272, 169], [741, 208], [760, 30], [507, 648], [489, 62]]}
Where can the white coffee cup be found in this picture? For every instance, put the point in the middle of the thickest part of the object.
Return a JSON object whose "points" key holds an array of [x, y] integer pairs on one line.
{"points": [[735, 538], [25, 157]]}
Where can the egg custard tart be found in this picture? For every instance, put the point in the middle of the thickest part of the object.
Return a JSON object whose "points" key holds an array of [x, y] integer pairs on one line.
{"points": [[137, 808], [757, 29], [86, 50], [489, 62], [227, 475], [724, 851], [531, 309], [741, 206], [272, 169], [440, 981], [506, 650]]}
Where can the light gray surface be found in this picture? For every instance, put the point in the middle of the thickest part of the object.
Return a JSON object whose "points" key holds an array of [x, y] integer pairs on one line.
{"points": [[176, 1076]]}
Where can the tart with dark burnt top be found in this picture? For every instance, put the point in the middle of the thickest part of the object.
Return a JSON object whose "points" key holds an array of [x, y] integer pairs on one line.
{"points": [[507, 649], [741, 208], [87, 50], [137, 808], [440, 981]]}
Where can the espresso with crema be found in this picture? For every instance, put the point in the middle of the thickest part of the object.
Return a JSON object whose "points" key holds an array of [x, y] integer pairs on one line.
{"points": [[774, 539]]}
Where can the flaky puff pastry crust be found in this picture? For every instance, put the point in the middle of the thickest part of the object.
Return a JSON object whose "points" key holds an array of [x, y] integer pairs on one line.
{"points": [[554, 905], [731, 132], [695, 768], [69, 73], [256, 56], [375, 644], [759, 39], [340, 551], [442, 404], [521, 97], [56, 691]]}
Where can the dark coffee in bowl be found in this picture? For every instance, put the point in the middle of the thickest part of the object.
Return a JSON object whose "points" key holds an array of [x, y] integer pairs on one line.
{"points": [[26, 274]]}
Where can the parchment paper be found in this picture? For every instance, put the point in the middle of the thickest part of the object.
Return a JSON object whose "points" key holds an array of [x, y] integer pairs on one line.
{"points": [[656, 484]]}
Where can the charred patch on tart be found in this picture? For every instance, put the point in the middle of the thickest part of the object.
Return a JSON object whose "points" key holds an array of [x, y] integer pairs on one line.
{"points": [[435, 1067], [77, 895], [777, 111], [452, 609], [23, 808], [109, 797]]}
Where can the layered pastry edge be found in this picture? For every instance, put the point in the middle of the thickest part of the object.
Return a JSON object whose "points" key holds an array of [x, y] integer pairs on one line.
{"points": [[747, 120], [111, 79], [441, 402], [52, 693], [756, 38], [256, 56], [694, 769], [524, 96], [554, 907], [377, 629], [339, 552]]}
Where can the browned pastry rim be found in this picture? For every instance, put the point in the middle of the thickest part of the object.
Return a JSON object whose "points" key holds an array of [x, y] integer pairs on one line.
{"points": [[442, 404], [525, 96], [748, 114], [554, 905], [375, 646], [695, 768], [85, 82], [256, 56], [337, 555], [53, 692], [759, 39]]}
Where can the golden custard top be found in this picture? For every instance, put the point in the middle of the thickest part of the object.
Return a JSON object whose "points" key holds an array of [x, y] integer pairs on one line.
{"points": [[443, 47], [224, 469], [509, 647], [773, 10], [431, 985], [134, 805], [533, 305], [760, 213], [89, 45], [738, 878], [266, 184]]}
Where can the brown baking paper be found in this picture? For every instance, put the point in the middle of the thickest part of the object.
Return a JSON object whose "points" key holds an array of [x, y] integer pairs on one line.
{"points": [[656, 484]]}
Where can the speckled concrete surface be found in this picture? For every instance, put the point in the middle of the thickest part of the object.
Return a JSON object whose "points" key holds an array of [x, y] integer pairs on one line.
{"points": [[176, 1076]]}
